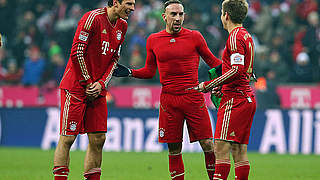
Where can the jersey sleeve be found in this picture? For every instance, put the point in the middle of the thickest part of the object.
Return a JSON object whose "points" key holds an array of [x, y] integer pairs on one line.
{"points": [[82, 37], [204, 50], [237, 48], [150, 67]]}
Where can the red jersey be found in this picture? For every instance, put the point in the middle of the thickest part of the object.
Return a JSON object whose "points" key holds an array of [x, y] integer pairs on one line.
{"points": [[237, 63], [95, 52], [177, 59]]}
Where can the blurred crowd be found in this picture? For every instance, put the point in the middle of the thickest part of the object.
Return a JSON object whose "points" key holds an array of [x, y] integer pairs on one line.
{"points": [[38, 35]]}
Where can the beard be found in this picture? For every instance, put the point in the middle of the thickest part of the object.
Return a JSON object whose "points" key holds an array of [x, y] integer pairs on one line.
{"points": [[176, 28]]}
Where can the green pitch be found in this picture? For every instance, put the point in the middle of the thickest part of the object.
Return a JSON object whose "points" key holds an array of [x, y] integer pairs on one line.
{"points": [[36, 164]]}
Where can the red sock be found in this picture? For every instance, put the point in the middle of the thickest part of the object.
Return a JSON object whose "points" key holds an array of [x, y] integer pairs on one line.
{"points": [[210, 162], [176, 167], [60, 172], [93, 174], [242, 169], [222, 169]]}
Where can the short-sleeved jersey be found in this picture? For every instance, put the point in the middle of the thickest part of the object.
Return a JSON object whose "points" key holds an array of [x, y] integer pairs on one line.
{"points": [[237, 64], [95, 51], [177, 58]]}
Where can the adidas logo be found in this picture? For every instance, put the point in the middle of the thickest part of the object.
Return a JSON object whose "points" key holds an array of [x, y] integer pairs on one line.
{"points": [[104, 31], [232, 134]]}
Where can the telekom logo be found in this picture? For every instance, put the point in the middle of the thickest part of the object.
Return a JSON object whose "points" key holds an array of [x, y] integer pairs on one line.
{"points": [[142, 98], [300, 98]]}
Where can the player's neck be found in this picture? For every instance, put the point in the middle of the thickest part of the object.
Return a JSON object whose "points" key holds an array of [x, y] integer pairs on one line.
{"points": [[112, 15], [232, 26]]}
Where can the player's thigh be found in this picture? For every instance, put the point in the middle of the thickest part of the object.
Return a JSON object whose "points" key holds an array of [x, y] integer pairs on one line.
{"points": [[71, 115], [234, 120], [96, 116], [197, 118], [171, 119]]}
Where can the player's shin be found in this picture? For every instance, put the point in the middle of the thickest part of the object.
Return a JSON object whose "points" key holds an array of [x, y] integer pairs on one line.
{"points": [[210, 163], [242, 169], [222, 169], [176, 167]]}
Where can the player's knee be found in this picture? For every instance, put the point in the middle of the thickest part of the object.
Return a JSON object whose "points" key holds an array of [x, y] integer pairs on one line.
{"points": [[174, 148], [221, 149], [67, 140], [97, 139], [206, 145]]}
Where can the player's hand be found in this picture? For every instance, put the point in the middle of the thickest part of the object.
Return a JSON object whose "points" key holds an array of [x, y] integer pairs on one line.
{"points": [[121, 71], [199, 88], [93, 90], [216, 91]]}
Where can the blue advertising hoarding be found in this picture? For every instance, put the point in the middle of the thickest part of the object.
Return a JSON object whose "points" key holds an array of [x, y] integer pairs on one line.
{"points": [[273, 130]]}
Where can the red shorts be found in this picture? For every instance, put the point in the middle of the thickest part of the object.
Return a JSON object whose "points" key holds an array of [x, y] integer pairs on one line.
{"points": [[174, 109], [235, 116], [78, 117]]}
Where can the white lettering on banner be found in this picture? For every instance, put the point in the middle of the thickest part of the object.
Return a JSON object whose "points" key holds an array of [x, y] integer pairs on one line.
{"points": [[300, 98], [294, 131], [113, 139], [274, 134], [133, 128], [151, 144], [306, 141], [142, 98], [51, 132], [317, 134], [128, 134]]}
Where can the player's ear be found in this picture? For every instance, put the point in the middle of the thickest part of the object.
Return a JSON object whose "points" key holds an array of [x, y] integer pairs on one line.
{"points": [[164, 17], [115, 3], [227, 15]]}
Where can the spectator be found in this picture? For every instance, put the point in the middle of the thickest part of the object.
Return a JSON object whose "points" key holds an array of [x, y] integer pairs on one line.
{"points": [[267, 96], [302, 71], [33, 67], [14, 74]]}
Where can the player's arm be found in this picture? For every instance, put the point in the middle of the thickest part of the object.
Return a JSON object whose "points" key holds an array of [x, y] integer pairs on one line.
{"points": [[147, 72], [105, 79], [112, 70], [150, 67], [204, 50], [84, 33], [237, 66]]}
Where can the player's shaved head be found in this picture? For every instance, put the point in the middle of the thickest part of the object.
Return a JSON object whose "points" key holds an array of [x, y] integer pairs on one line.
{"points": [[110, 2], [236, 9], [167, 3]]}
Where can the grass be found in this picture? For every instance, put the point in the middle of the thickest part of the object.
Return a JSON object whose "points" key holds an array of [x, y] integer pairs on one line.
{"points": [[36, 164]]}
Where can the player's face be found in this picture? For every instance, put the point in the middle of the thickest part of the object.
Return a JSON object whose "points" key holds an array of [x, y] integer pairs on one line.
{"points": [[174, 17], [223, 18], [125, 8]]}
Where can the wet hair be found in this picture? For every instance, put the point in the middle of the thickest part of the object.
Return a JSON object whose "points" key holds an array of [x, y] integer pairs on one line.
{"points": [[167, 3], [236, 9], [110, 2]]}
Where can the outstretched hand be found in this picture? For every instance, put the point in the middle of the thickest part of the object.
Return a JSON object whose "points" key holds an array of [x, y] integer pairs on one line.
{"points": [[216, 91], [199, 88], [121, 71]]}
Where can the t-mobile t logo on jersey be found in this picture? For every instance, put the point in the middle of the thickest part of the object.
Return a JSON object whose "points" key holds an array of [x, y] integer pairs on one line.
{"points": [[106, 48]]}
